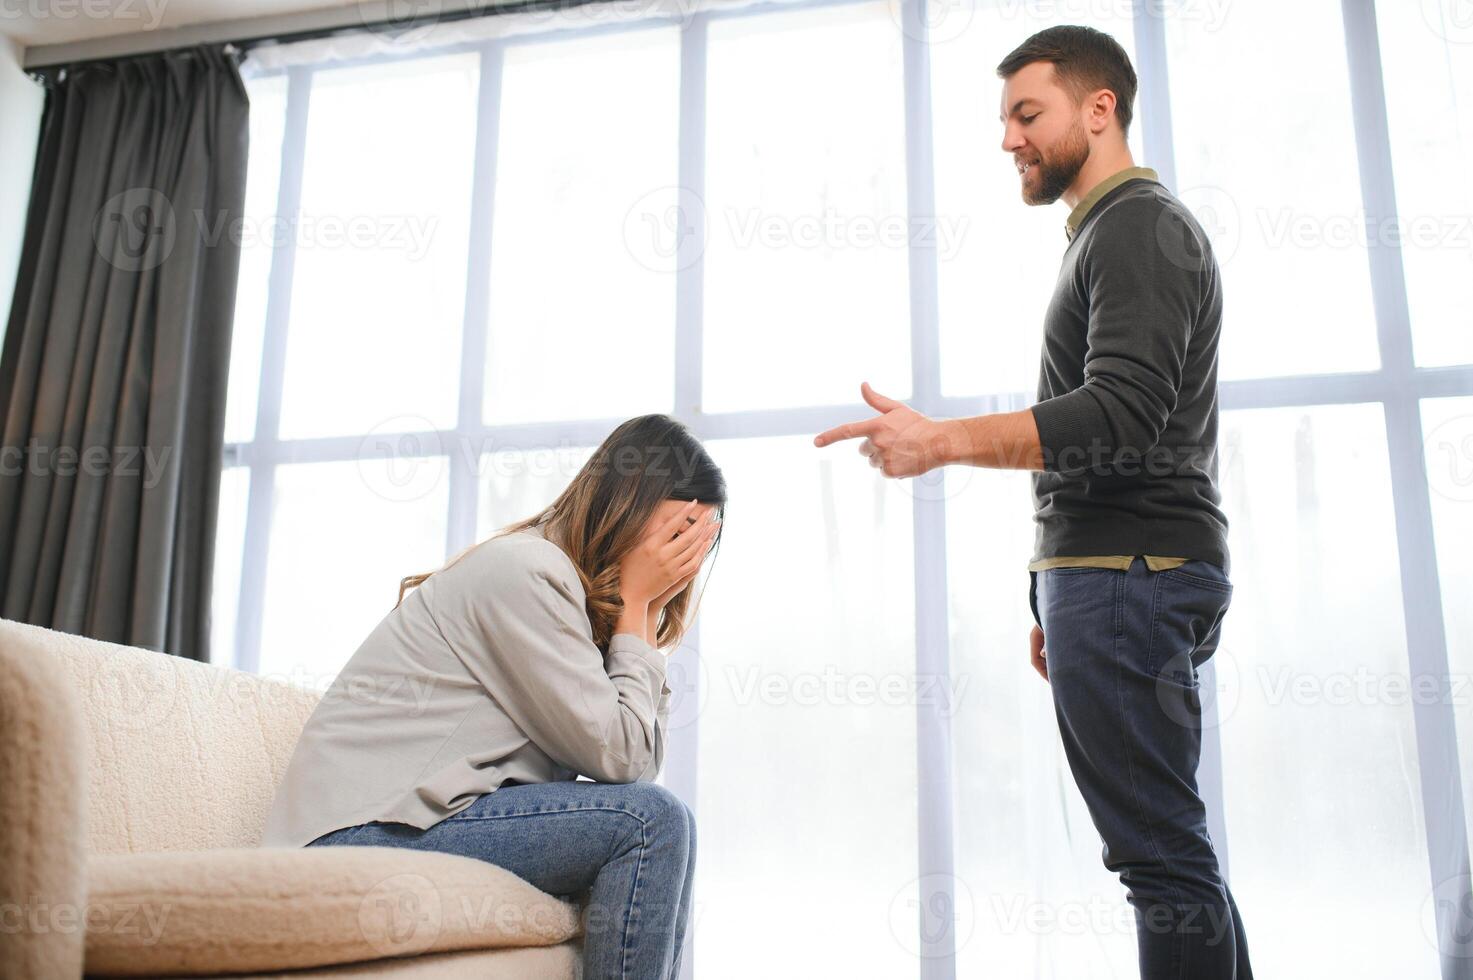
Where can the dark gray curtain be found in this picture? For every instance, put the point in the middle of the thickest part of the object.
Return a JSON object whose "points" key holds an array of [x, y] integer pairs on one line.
{"points": [[114, 368]]}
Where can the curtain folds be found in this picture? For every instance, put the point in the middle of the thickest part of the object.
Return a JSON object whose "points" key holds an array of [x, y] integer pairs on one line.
{"points": [[113, 374]]}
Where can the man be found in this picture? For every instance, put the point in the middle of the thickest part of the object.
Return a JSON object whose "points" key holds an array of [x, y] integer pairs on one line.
{"points": [[1129, 579]]}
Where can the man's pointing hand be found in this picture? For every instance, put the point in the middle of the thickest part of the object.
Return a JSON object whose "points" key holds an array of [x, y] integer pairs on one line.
{"points": [[900, 442]]}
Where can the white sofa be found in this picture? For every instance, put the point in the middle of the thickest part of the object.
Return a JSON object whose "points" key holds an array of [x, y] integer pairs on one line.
{"points": [[134, 788]]}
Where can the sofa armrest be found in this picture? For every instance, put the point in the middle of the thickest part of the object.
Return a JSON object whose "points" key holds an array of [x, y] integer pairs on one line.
{"points": [[43, 838]]}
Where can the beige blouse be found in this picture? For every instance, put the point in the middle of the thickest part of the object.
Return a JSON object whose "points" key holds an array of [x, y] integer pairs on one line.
{"points": [[486, 672]]}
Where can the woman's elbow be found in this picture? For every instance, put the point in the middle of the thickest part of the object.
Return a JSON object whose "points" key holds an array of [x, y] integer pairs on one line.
{"points": [[611, 767]]}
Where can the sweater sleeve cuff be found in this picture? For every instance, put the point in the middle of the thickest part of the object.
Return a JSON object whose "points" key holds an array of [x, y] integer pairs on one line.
{"points": [[1067, 424], [625, 645]]}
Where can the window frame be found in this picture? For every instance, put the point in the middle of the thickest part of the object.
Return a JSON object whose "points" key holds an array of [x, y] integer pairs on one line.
{"points": [[1398, 385]]}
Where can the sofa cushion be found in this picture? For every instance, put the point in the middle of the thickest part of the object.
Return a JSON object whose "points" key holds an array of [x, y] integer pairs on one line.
{"points": [[249, 909]]}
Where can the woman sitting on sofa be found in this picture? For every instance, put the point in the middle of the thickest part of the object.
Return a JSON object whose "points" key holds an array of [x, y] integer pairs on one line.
{"points": [[462, 722]]}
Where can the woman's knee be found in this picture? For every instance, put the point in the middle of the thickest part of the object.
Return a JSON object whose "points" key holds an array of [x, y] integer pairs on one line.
{"points": [[661, 810], [690, 818]]}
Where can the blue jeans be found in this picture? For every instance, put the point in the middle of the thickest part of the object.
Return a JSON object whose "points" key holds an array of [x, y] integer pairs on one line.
{"points": [[1122, 651], [628, 848]]}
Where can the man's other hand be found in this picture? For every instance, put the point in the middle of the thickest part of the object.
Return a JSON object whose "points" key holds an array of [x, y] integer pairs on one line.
{"points": [[1036, 652]]}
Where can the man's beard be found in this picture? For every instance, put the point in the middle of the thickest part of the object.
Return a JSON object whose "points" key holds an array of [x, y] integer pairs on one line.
{"points": [[1056, 174]]}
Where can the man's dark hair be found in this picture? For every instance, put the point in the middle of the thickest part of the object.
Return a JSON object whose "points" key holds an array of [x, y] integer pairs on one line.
{"points": [[1085, 60]]}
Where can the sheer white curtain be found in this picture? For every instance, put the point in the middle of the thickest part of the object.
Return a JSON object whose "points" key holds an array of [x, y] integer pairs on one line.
{"points": [[472, 250]]}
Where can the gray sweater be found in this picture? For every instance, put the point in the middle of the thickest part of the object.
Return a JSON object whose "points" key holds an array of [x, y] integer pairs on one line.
{"points": [[1127, 388], [486, 672]]}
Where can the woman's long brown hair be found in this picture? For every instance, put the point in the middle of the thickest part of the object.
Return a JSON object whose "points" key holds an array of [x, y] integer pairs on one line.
{"points": [[603, 512]]}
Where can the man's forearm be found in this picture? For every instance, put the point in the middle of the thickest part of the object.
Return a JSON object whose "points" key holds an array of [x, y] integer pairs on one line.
{"points": [[1003, 440]]}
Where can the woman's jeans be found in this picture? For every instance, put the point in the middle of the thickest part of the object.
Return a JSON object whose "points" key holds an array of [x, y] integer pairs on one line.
{"points": [[630, 846], [1122, 650]]}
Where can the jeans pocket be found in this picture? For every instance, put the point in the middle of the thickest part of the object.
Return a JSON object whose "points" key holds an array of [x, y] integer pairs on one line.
{"points": [[1033, 597], [1202, 574], [1189, 610], [1081, 599]]}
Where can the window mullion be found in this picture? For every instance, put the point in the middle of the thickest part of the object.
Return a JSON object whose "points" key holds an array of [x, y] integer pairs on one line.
{"points": [[1426, 639], [682, 751], [935, 843], [264, 451], [1153, 98], [465, 448]]}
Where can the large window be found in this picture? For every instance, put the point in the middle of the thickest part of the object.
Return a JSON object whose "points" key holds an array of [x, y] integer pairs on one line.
{"points": [[469, 261]]}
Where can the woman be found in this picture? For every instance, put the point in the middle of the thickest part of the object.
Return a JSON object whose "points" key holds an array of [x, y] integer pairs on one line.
{"points": [[529, 659]]}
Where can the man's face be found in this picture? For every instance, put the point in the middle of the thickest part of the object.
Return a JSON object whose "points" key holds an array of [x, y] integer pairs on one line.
{"points": [[1043, 132]]}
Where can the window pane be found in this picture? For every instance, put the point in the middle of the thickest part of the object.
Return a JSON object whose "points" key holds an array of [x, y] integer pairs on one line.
{"points": [[816, 683], [342, 536], [378, 288], [1277, 189], [582, 322], [517, 483], [235, 485], [1034, 899], [1316, 717], [1427, 67], [805, 262], [263, 178], [1448, 427], [997, 257]]}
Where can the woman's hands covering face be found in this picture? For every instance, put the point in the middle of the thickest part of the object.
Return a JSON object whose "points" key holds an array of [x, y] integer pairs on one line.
{"points": [[670, 554]]}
